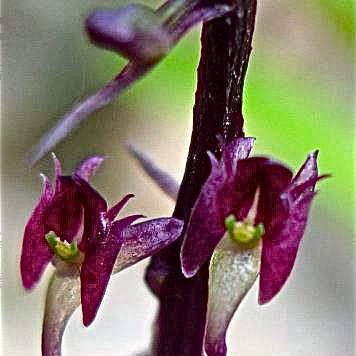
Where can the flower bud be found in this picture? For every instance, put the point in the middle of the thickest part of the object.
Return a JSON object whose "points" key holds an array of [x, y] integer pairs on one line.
{"points": [[134, 31]]}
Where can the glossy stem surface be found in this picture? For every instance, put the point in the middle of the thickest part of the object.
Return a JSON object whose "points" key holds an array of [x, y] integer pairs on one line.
{"points": [[226, 46]]}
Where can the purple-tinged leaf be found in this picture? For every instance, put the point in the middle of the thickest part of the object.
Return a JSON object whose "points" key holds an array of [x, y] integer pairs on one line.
{"points": [[88, 167], [145, 239], [231, 275], [115, 210], [63, 297], [36, 253], [279, 251], [167, 184]]}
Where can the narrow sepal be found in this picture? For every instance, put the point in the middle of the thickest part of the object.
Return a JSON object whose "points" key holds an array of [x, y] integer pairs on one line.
{"points": [[63, 297], [238, 149], [308, 171], [231, 275], [280, 245], [114, 211], [280, 249], [88, 167], [57, 167], [145, 239], [168, 184], [36, 253]]}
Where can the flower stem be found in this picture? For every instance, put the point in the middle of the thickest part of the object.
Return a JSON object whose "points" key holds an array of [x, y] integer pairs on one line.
{"points": [[226, 46]]}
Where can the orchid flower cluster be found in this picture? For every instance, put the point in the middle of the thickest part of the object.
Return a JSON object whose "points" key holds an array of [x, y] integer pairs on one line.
{"points": [[248, 219]]}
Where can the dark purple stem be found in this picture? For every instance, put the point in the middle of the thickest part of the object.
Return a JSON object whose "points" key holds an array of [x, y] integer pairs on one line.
{"points": [[226, 46]]}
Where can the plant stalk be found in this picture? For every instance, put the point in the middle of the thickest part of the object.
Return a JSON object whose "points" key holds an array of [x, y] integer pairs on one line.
{"points": [[217, 116]]}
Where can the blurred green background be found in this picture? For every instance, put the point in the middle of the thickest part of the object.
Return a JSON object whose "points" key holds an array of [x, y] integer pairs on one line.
{"points": [[299, 96]]}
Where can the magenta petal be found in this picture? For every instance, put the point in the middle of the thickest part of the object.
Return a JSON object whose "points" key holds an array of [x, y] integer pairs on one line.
{"points": [[205, 227], [95, 274], [64, 215], [305, 179], [114, 211], [95, 207], [280, 250], [98, 264], [88, 167], [36, 253], [308, 170], [145, 239], [238, 149]]}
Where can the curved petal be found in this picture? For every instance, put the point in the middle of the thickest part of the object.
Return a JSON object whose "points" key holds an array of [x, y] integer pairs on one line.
{"points": [[114, 211], [97, 266], [231, 275], [305, 179], [308, 170], [36, 253], [63, 297], [145, 239], [88, 167], [280, 249]]}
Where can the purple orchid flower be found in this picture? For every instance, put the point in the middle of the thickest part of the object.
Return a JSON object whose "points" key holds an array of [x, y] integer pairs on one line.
{"points": [[249, 219], [243, 200], [84, 240], [141, 34]]}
